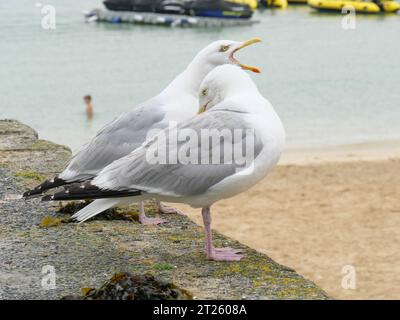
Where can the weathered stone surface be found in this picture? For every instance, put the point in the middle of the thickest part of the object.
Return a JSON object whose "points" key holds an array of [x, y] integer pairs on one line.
{"points": [[87, 255], [23, 153], [15, 135]]}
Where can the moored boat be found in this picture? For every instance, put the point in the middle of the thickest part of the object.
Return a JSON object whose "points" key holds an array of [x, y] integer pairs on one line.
{"points": [[170, 7], [200, 8], [360, 6], [218, 9], [130, 5]]}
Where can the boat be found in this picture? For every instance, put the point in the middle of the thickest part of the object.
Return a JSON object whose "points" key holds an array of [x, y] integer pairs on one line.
{"points": [[253, 4], [218, 9], [282, 4], [161, 6], [130, 5], [199, 8], [170, 7], [162, 19], [387, 6]]}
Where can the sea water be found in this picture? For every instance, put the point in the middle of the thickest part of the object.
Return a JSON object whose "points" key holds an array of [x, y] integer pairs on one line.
{"points": [[331, 85]]}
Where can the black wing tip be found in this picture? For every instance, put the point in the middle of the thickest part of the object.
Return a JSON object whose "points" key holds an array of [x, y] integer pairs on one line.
{"points": [[45, 185], [29, 193], [47, 198], [87, 191], [62, 195], [33, 192]]}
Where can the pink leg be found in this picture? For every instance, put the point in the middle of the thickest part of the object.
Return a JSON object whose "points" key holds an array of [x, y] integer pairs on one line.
{"points": [[145, 220], [167, 210], [218, 254]]}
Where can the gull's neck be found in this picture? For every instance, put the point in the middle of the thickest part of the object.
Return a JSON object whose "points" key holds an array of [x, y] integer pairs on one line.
{"points": [[188, 82]]}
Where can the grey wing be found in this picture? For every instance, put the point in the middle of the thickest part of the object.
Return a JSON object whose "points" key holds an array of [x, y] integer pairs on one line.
{"points": [[115, 140], [139, 170]]}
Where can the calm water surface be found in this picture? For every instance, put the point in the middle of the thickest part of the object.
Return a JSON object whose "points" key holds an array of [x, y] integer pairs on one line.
{"points": [[329, 85]]}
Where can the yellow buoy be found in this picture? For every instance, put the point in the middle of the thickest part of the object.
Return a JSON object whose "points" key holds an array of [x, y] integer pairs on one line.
{"points": [[282, 4], [390, 6], [359, 6]]}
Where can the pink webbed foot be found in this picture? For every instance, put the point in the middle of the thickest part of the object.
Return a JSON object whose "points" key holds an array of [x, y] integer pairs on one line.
{"points": [[228, 249], [151, 221], [225, 254], [217, 254], [168, 210]]}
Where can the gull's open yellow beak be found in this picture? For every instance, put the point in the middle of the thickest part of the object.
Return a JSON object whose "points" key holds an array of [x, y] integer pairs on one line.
{"points": [[244, 45]]}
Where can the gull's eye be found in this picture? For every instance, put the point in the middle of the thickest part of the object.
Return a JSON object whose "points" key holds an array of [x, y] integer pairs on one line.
{"points": [[224, 48], [204, 92]]}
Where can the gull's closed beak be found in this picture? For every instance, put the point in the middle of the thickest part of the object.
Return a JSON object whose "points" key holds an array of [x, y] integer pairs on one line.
{"points": [[202, 108], [245, 44]]}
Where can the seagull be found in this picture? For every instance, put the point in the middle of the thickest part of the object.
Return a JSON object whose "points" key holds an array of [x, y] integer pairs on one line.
{"points": [[230, 102], [177, 102]]}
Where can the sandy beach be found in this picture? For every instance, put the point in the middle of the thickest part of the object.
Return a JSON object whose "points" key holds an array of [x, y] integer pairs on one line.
{"points": [[323, 209]]}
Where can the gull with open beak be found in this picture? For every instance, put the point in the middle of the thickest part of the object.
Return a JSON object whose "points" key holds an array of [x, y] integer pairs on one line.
{"points": [[241, 46], [231, 103], [176, 103]]}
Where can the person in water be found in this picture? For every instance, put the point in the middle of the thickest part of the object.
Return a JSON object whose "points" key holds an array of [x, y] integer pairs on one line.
{"points": [[89, 107]]}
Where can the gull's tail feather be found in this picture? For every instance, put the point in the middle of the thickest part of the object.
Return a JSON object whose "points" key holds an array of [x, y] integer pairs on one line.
{"points": [[87, 191], [44, 186], [95, 208]]}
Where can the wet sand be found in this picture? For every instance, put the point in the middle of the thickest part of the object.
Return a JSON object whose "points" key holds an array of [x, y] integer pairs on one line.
{"points": [[320, 210]]}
